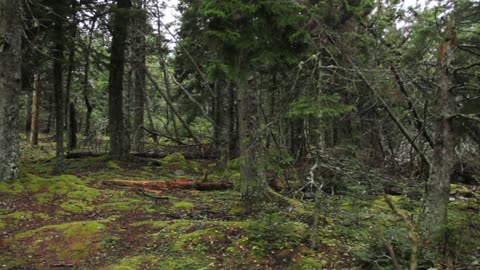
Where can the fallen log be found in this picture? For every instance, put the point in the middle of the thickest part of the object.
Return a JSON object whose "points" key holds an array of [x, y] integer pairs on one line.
{"points": [[170, 185], [83, 155], [76, 155]]}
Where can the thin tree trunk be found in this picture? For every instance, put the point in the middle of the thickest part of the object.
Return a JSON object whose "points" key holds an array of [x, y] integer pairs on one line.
{"points": [[222, 127], [172, 107], [151, 125], [140, 82], [233, 139], [69, 104], [10, 87], [58, 58], [35, 110], [433, 216], [27, 82], [118, 140], [51, 114], [86, 85]]}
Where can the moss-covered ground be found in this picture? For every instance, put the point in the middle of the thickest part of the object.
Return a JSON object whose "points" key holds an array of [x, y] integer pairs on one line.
{"points": [[73, 220]]}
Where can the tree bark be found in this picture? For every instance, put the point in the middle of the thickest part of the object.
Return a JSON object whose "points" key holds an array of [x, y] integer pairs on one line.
{"points": [[433, 216], [10, 87], [35, 110], [140, 82], [69, 103], [118, 140], [58, 59], [86, 85], [253, 185]]}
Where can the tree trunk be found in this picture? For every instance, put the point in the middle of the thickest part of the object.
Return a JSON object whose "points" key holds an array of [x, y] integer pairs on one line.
{"points": [[233, 147], [10, 87], [72, 126], [433, 216], [140, 83], [58, 59], [27, 81], [252, 181], [69, 103], [118, 143], [86, 85], [51, 114], [35, 110], [222, 123]]}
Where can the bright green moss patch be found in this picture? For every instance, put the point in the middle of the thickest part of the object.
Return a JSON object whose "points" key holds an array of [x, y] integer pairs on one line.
{"points": [[43, 198], [10, 188], [183, 261], [135, 262], [112, 165], [73, 241], [125, 206], [76, 206], [198, 240], [311, 263], [182, 206], [74, 194], [18, 215], [15, 218]]}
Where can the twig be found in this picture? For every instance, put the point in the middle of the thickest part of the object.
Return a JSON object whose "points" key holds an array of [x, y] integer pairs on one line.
{"points": [[412, 232]]}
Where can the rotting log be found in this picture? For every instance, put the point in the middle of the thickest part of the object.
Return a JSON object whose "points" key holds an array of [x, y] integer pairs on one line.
{"points": [[170, 185], [75, 155]]}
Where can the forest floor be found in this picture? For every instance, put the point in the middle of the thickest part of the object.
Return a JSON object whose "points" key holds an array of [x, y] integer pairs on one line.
{"points": [[78, 220]]}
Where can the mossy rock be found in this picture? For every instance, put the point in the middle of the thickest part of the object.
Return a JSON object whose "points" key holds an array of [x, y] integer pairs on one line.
{"points": [[177, 161]]}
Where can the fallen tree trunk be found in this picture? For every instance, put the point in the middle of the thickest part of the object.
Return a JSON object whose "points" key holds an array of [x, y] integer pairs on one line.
{"points": [[142, 155], [170, 185]]}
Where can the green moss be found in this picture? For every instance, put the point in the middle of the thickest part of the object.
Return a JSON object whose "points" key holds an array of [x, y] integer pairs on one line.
{"points": [[122, 206], [234, 164], [42, 216], [198, 240], [18, 215], [136, 262], [81, 228], [237, 209], [14, 218], [87, 194], [75, 241], [197, 260], [11, 188], [43, 198], [76, 206], [381, 204], [182, 206], [177, 161], [173, 226], [78, 195], [311, 263], [173, 159], [112, 165], [9, 261]]}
